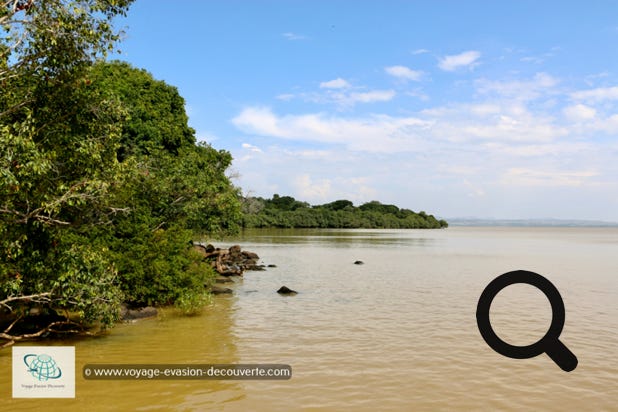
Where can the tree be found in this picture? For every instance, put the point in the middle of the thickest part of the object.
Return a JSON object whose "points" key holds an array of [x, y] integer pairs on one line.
{"points": [[58, 143], [178, 191], [287, 212], [156, 112], [338, 205]]}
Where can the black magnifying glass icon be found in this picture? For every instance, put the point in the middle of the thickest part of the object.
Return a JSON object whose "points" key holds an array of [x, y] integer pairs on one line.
{"points": [[550, 343]]}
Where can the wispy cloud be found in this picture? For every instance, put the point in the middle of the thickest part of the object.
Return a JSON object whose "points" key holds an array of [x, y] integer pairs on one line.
{"points": [[404, 73], [374, 133], [371, 96], [420, 51], [521, 89], [596, 95], [337, 83], [285, 97], [456, 61], [535, 177], [313, 190], [342, 94], [251, 148], [294, 36], [579, 112], [537, 139]]}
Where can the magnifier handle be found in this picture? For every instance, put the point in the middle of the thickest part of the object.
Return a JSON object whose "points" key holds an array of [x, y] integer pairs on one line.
{"points": [[563, 357]]}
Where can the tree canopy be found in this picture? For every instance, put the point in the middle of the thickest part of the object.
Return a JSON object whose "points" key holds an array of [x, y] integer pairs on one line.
{"points": [[102, 183], [287, 212]]}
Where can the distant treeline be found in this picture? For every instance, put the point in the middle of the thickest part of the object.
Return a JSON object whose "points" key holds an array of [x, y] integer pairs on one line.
{"points": [[287, 212]]}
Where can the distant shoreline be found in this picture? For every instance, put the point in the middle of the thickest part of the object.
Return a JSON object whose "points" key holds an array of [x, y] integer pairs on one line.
{"points": [[463, 222]]}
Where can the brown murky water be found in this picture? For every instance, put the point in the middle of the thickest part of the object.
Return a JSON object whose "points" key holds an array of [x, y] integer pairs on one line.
{"points": [[397, 333]]}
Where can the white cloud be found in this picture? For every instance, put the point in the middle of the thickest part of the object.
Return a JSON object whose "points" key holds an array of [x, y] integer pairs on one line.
{"points": [[258, 120], [372, 96], [596, 95], [347, 98], [538, 150], [456, 61], [539, 86], [454, 125], [505, 121], [533, 177], [251, 148], [286, 97], [579, 112], [294, 36], [404, 73], [337, 83], [375, 133], [420, 51], [313, 191], [517, 147]]}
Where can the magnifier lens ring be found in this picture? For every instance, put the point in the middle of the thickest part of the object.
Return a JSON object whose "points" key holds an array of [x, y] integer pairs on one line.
{"points": [[507, 279]]}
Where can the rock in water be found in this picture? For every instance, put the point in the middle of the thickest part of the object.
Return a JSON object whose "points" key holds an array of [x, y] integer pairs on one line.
{"points": [[284, 290], [224, 280], [217, 290], [127, 313]]}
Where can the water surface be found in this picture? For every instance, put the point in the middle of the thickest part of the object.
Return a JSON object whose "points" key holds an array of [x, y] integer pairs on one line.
{"points": [[396, 333]]}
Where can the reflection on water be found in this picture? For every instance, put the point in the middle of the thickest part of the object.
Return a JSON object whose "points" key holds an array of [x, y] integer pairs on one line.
{"points": [[397, 333], [168, 339], [339, 237]]}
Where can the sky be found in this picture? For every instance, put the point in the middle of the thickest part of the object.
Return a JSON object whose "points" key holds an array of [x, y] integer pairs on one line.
{"points": [[505, 110]]}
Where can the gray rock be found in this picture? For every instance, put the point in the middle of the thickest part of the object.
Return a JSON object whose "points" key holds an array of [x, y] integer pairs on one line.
{"points": [[284, 290]]}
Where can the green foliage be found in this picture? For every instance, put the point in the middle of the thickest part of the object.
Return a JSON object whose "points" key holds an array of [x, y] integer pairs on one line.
{"points": [[157, 118], [159, 268], [291, 213], [58, 143], [102, 185], [177, 189], [287, 203]]}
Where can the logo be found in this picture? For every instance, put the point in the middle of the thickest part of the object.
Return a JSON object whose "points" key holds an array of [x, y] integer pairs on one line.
{"points": [[549, 344], [43, 371], [43, 367]]}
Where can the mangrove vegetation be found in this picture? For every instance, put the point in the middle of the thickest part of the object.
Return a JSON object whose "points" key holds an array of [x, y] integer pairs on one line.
{"points": [[287, 212]]}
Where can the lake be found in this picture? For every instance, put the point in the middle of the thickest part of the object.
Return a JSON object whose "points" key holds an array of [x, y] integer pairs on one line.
{"points": [[396, 333]]}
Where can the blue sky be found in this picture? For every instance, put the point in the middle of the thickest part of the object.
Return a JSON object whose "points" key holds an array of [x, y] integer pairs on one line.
{"points": [[487, 109]]}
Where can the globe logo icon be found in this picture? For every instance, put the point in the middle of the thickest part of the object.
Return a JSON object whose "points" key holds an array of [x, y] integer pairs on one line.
{"points": [[43, 367]]}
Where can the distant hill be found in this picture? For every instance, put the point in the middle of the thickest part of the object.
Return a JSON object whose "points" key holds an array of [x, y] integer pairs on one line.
{"points": [[530, 222]]}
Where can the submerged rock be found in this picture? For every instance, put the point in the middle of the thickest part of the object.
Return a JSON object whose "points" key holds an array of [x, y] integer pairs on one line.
{"points": [[224, 280], [218, 290], [127, 313], [284, 290]]}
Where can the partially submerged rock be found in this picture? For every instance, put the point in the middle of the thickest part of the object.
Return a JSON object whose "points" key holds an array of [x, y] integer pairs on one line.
{"points": [[218, 290], [284, 290], [229, 262], [127, 313], [223, 280]]}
